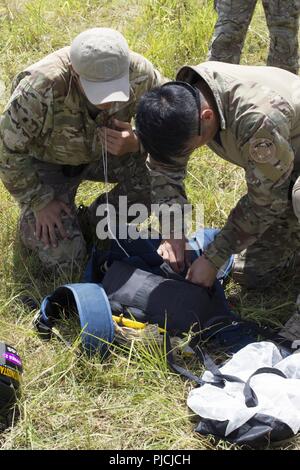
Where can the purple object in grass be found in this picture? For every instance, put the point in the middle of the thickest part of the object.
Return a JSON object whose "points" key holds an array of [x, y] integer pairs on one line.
{"points": [[12, 358]]}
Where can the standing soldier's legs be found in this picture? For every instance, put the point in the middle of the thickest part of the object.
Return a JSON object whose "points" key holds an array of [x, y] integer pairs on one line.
{"points": [[230, 31], [260, 264], [283, 23], [70, 253]]}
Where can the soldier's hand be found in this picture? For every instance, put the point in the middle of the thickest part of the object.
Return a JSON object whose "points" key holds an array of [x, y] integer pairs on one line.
{"points": [[48, 220], [202, 272], [121, 140], [174, 252]]}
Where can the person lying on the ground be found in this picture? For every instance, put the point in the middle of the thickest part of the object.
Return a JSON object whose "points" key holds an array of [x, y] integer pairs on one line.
{"points": [[249, 116], [63, 110]]}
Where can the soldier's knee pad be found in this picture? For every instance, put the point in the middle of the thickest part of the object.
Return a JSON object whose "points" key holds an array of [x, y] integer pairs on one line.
{"points": [[67, 253], [253, 274], [296, 198]]}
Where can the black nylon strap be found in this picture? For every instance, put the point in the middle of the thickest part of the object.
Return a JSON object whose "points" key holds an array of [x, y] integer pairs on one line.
{"points": [[251, 399], [211, 366], [178, 369], [204, 359]]}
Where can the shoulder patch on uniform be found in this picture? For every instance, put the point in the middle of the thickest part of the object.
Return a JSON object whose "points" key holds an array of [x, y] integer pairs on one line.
{"points": [[262, 150]]}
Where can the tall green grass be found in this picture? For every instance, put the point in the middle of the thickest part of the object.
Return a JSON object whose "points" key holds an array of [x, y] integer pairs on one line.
{"points": [[172, 33]]}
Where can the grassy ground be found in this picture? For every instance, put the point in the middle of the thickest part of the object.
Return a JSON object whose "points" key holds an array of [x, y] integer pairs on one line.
{"points": [[131, 401]]}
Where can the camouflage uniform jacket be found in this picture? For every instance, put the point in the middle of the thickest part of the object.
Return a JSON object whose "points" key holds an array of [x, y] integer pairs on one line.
{"points": [[259, 109], [47, 118]]}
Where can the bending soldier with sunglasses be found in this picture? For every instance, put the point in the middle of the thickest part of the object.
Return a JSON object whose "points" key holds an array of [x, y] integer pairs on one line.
{"points": [[249, 116]]}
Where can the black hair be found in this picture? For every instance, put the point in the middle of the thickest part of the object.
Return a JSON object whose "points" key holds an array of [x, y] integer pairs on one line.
{"points": [[167, 117]]}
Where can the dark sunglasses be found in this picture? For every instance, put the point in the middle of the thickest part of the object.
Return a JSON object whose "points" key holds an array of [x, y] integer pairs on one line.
{"points": [[196, 94]]}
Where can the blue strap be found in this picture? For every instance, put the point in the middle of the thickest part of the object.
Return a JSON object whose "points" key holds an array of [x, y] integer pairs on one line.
{"points": [[201, 240], [93, 309]]}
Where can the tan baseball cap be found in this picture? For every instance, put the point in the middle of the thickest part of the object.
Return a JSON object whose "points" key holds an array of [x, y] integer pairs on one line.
{"points": [[100, 56]]}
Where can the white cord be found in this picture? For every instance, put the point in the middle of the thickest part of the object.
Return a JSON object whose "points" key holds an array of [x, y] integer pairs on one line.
{"points": [[105, 163]]}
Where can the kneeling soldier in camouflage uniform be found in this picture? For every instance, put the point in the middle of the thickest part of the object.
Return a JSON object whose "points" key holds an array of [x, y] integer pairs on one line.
{"points": [[234, 17], [62, 111], [249, 116]]}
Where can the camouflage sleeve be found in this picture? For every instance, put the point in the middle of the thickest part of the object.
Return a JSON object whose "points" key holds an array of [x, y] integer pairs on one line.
{"points": [[167, 180], [22, 121], [269, 161], [167, 188]]}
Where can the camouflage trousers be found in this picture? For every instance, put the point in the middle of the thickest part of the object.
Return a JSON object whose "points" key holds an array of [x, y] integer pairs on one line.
{"points": [[234, 17], [133, 181], [274, 253]]}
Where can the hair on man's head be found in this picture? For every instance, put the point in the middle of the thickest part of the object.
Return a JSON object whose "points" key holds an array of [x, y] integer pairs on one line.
{"points": [[167, 117]]}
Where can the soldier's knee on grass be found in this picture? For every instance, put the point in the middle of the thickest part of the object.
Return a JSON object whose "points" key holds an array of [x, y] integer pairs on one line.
{"points": [[252, 275], [251, 280], [68, 255]]}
